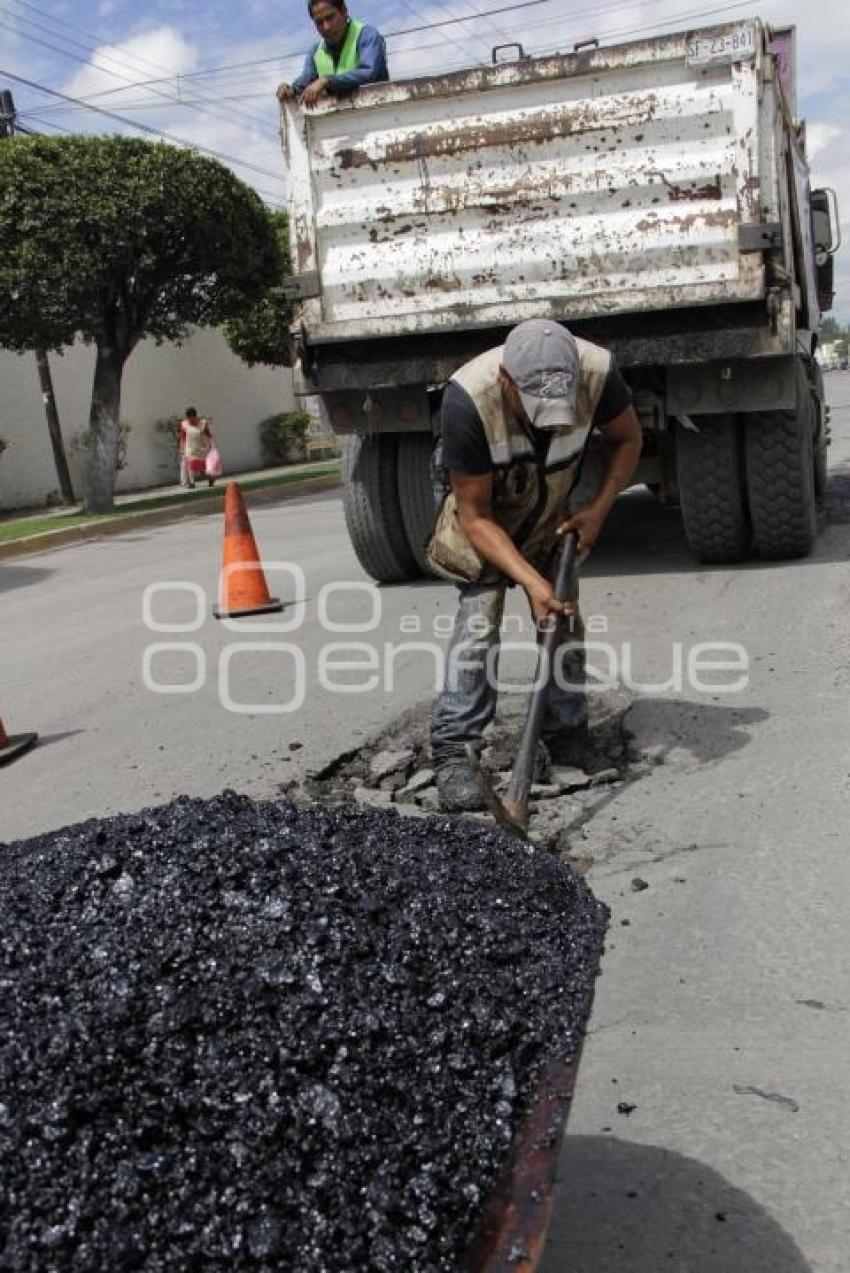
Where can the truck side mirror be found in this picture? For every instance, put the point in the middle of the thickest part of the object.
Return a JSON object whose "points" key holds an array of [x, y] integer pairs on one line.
{"points": [[826, 230], [826, 236]]}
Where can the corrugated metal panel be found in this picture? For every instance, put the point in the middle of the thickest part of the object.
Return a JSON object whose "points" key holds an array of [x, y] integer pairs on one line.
{"points": [[610, 183]]}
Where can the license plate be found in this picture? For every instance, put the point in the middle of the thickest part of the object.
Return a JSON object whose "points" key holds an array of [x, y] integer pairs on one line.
{"points": [[734, 46]]}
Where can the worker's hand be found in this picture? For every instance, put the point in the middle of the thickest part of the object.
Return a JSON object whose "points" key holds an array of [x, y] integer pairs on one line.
{"points": [[587, 523], [285, 92], [318, 88], [544, 603]]}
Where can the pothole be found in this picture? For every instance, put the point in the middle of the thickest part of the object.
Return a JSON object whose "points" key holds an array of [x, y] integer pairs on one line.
{"points": [[394, 770]]}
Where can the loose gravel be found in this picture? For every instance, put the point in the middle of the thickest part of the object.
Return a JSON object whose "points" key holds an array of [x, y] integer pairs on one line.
{"points": [[241, 1036]]}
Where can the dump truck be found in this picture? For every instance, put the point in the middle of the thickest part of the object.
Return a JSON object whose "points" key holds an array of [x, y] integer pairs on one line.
{"points": [[654, 196]]}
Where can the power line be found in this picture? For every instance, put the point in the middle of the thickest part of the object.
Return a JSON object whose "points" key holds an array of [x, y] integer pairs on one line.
{"points": [[145, 128], [51, 124], [118, 58], [297, 55], [105, 70], [147, 104], [537, 50], [78, 30], [124, 56], [407, 4], [289, 54], [683, 17]]}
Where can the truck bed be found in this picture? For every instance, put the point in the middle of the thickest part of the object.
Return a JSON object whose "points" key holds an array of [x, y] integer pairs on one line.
{"points": [[598, 184]]}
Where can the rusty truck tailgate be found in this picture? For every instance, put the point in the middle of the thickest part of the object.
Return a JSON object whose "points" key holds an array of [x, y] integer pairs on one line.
{"points": [[603, 182]]}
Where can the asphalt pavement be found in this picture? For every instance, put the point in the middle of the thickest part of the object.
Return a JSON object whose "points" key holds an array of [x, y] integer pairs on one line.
{"points": [[722, 1018]]}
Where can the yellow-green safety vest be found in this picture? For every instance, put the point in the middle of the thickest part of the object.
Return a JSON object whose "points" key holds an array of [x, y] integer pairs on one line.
{"points": [[348, 58]]}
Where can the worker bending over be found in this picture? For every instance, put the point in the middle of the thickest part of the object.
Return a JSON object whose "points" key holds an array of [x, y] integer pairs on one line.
{"points": [[515, 423]]}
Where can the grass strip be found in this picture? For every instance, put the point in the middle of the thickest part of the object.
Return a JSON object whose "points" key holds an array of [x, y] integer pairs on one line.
{"points": [[25, 527]]}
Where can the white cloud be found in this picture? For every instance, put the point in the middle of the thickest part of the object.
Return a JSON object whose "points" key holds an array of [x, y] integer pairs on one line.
{"points": [[196, 112], [162, 52], [819, 137]]}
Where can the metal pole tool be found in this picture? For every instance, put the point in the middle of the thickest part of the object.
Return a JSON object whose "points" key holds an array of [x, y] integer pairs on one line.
{"points": [[515, 804]]}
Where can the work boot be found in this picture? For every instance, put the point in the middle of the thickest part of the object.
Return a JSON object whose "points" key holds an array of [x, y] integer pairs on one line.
{"points": [[459, 786], [575, 749]]}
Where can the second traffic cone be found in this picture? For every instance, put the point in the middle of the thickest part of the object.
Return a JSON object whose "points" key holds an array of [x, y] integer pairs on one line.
{"points": [[243, 583], [12, 745]]}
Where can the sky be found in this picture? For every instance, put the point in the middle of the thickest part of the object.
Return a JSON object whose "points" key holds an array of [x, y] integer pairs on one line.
{"points": [[205, 71]]}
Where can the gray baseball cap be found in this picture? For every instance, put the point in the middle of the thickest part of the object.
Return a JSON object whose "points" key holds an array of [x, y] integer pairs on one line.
{"points": [[541, 357]]}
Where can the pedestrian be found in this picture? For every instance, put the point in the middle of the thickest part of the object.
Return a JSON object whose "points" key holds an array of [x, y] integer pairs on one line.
{"points": [[349, 54], [196, 443], [515, 423]]}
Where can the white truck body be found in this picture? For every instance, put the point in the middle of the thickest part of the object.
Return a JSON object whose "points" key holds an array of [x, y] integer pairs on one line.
{"points": [[614, 181]]}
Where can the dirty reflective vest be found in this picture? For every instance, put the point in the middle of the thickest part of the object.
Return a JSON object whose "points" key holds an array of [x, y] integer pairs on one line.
{"points": [[348, 58], [530, 491]]}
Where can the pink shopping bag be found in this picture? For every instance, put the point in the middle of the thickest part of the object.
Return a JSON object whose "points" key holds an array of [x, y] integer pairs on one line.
{"points": [[214, 466]]}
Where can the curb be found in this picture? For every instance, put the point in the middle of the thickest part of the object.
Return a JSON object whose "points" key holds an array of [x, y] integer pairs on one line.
{"points": [[206, 505]]}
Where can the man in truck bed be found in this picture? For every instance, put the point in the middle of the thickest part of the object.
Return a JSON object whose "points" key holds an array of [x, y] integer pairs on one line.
{"points": [[349, 54], [515, 421]]}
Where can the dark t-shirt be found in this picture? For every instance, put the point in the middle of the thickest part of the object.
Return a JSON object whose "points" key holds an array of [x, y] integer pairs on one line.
{"points": [[464, 442]]}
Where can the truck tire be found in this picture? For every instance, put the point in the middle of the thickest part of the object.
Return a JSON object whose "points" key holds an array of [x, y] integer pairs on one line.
{"points": [[780, 462], [372, 510], [416, 492], [711, 489]]}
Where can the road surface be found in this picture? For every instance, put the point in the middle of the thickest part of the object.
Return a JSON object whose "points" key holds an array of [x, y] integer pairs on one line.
{"points": [[723, 1012]]}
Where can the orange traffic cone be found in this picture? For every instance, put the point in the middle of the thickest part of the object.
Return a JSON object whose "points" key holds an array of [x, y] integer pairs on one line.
{"points": [[243, 584], [14, 745]]}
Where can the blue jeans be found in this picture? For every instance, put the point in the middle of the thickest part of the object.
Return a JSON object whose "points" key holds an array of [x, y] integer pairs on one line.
{"points": [[467, 703]]}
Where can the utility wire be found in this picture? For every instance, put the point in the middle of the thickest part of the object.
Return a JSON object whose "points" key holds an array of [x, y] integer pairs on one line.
{"points": [[147, 104], [145, 128], [575, 16], [296, 56], [289, 54], [104, 50], [736, 6], [118, 58], [449, 39], [54, 127], [549, 48], [491, 28], [78, 30], [535, 50], [126, 82]]}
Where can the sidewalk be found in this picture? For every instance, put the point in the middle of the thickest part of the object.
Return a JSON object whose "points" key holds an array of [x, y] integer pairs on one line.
{"points": [[53, 527]]}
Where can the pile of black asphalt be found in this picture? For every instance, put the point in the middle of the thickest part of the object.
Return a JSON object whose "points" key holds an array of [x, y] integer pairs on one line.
{"points": [[241, 1035]]}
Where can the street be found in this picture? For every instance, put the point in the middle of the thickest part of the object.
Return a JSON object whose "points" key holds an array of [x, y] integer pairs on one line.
{"points": [[722, 1016]]}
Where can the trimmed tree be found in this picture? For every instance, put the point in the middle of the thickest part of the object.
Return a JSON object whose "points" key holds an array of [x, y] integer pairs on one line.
{"points": [[114, 239], [260, 334]]}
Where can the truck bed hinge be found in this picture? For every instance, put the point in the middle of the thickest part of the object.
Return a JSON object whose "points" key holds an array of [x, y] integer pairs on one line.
{"points": [[299, 287], [764, 237]]}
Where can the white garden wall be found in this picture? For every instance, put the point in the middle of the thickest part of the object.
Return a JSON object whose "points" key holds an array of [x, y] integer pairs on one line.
{"points": [[159, 381]]}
